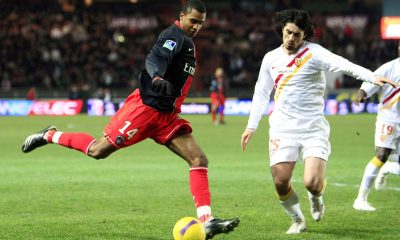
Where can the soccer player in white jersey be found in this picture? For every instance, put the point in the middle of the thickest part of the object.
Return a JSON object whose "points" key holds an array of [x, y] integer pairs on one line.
{"points": [[297, 124], [387, 133]]}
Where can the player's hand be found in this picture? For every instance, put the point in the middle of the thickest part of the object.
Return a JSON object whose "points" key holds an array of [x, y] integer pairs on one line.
{"points": [[382, 80], [162, 87], [361, 96], [246, 136]]}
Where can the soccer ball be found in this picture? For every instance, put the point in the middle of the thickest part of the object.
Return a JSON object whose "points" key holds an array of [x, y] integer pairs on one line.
{"points": [[189, 228]]}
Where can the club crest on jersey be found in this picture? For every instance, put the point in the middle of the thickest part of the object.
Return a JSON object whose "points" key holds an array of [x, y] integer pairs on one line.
{"points": [[119, 140], [169, 44], [297, 61]]}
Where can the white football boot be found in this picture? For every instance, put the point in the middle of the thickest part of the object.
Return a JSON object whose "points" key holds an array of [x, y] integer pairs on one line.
{"points": [[317, 206], [298, 225], [363, 205]]}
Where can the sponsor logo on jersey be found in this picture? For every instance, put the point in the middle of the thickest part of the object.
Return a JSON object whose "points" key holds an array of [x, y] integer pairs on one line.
{"points": [[285, 70], [189, 69], [169, 44]]}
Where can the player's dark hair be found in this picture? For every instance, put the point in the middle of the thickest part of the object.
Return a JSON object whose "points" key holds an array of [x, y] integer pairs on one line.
{"points": [[198, 5], [299, 17]]}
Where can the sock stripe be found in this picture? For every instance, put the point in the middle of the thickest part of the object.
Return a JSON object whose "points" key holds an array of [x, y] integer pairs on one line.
{"points": [[285, 196], [204, 210], [376, 162], [56, 137], [198, 168]]}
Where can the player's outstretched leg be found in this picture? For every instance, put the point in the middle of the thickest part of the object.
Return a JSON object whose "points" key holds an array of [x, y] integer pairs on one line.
{"points": [[36, 140], [218, 226], [317, 206]]}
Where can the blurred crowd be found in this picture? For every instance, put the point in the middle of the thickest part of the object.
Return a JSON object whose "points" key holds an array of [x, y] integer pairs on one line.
{"points": [[88, 50]]}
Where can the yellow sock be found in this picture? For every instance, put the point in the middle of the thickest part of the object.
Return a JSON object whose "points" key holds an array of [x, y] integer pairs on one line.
{"points": [[378, 163], [285, 197]]}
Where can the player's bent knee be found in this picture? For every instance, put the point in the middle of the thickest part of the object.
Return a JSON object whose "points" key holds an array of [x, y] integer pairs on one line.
{"points": [[98, 155], [281, 186], [100, 149], [200, 161], [382, 156], [314, 185]]}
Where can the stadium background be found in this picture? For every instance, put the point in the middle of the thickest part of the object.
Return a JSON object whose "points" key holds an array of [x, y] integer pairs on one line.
{"points": [[77, 48]]}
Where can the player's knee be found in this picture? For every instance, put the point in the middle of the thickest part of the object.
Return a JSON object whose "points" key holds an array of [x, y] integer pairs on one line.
{"points": [[314, 184], [382, 155], [281, 186], [100, 150], [199, 161], [97, 154]]}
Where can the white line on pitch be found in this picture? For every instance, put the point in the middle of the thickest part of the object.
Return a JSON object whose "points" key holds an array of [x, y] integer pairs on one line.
{"points": [[350, 185]]}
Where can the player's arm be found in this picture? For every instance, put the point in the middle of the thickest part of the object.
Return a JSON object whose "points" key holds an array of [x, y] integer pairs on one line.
{"points": [[366, 91], [160, 57], [262, 92], [361, 96], [328, 61], [246, 136], [158, 60]]}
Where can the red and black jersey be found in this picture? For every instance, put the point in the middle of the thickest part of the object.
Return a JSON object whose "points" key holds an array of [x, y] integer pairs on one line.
{"points": [[173, 59]]}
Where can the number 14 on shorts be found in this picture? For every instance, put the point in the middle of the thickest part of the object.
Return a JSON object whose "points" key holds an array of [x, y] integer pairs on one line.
{"points": [[130, 133]]}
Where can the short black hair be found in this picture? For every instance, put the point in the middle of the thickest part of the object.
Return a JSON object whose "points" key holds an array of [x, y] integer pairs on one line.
{"points": [[299, 17], [198, 5]]}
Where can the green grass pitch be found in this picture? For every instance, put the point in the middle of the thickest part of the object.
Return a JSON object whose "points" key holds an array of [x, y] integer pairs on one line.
{"points": [[141, 191]]}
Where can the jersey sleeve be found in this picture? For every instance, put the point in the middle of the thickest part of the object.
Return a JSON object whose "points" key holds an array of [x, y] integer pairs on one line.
{"points": [[167, 46], [261, 97], [328, 61], [371, 89]]}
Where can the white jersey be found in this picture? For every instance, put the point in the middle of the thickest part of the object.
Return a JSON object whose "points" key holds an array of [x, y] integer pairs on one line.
{"points": [[299, 85], [389, 106]]}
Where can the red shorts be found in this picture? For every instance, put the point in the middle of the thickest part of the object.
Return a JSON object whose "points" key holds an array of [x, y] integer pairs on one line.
{"points": [[136, 121], [217, 99]]}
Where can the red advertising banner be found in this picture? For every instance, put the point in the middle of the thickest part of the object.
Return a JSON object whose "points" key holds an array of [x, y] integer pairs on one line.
{"points": [[390, 27], [56, 107]]}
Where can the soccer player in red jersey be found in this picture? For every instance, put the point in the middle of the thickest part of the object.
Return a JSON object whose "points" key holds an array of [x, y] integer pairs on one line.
{"points": [[152, 111], [217, 96]]}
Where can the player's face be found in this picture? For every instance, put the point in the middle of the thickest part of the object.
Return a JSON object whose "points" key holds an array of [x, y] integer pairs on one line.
{"points": [[293, 37], [192, 22]]}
